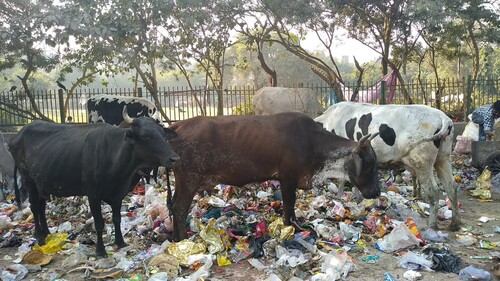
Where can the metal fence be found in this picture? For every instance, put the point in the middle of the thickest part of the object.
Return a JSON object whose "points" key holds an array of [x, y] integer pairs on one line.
{"points": [[456, 97]]}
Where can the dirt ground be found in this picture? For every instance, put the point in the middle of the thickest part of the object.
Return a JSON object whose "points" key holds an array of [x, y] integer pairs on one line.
{"points": [[472, 208]]}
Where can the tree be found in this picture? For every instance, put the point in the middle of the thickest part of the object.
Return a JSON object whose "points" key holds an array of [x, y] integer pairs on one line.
{"points": [[378, 25], [25, 30], [127, 34], [202, 33], [286, 24]]}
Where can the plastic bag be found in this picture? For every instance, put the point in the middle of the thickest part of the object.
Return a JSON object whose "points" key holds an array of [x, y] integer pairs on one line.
{"points": [[53, 243], [463, 145], [13, 272], [444, 260], [400, 237], [337, 266], [495, 183], [432, 236], [472, 273], [483, 185], [471, 131], [415, 261]]}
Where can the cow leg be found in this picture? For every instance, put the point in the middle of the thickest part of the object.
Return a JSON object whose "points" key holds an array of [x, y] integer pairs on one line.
{"points": [[37, 206], [444, 173], [417, 192], [341, 187], [431, 193], [182, 199], [43, 218], [95, 209], [155, 174], [288, 192], [422, 169], [117, 218]]}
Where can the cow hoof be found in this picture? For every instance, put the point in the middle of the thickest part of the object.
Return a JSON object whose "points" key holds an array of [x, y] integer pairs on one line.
{"points": [[101, 253], [121, 245], [40, 240]]}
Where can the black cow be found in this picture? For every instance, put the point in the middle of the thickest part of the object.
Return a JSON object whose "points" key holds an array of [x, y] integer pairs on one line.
{"points": [[289, 147], [96, 160], [108, 108]]}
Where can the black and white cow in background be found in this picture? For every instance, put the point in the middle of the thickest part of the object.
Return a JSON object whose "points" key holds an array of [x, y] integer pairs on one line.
{"points": [[108, 108], [94, 160], [416, 137]]}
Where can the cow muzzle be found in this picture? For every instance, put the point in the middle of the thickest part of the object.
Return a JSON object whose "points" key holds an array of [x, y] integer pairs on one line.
{"points": [[174, 157], [370, 192]]}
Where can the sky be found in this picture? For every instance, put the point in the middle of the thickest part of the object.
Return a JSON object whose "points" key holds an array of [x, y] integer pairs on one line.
{"points": [[347, 47]]}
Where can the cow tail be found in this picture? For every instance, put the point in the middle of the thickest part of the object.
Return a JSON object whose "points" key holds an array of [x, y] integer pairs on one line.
{"points": [[169, 195], [16, 188], [444, 131]]}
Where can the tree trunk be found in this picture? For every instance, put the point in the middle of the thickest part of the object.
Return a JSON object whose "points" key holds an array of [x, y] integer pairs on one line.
{"points": [[271, 72]]}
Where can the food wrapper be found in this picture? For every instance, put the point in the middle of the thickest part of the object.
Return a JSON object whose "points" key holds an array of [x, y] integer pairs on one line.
{"points": [[483, 194], [210, 235], [185, 248], [279, 231], [222, 260], [53, 243], [225, 238], [413, 228], [483, 185], [241, 249]]}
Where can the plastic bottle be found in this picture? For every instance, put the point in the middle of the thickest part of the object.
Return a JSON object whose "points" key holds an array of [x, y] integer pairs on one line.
{"points": [[472, 273]]}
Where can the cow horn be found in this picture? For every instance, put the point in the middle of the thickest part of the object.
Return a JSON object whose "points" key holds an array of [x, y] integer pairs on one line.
{"points": [[374, 135], [363, 139], [126, 118], [368, 137]]}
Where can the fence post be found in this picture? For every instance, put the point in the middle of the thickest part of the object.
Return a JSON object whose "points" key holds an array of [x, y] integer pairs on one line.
{"points": [[469, 94], [139, 92], [60, 93], [382, 90]]}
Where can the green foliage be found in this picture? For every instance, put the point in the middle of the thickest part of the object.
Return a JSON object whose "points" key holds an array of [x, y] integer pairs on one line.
{"points": [[104, 42], [244, 109]]}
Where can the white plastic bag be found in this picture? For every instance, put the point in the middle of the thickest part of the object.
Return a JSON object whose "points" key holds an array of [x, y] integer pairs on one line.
{"points": [[471, 131], [401, 237]]}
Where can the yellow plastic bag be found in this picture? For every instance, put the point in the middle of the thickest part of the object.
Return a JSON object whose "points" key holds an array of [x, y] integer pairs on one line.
{"points": [[53, 243], [222, 260], [483, 185]]}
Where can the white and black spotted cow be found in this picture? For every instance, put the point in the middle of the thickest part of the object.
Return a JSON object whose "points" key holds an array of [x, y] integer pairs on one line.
{"points": [[108, 108], [416, 137]]}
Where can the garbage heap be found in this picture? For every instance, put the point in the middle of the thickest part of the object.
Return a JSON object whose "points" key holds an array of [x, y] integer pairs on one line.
{"points": [[333, 235]]}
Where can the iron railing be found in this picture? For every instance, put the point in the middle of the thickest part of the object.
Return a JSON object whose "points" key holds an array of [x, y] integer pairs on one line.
{"points": [[456, 97]]}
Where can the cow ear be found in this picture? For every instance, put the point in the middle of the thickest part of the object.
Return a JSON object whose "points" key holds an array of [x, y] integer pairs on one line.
{"points": [[169, 133], [358, 162], [129, 137]]}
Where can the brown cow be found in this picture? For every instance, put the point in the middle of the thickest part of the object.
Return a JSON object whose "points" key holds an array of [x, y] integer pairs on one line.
{"points": [[289, 147]]}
